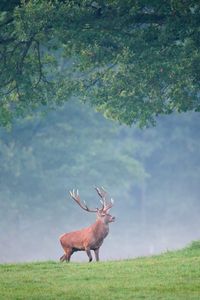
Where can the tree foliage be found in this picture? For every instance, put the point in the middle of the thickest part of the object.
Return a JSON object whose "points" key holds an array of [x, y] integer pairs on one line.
{"points": [[132, 60]]}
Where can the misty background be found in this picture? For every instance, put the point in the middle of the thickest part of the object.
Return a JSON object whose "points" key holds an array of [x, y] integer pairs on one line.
{"points": [[152, 174]]}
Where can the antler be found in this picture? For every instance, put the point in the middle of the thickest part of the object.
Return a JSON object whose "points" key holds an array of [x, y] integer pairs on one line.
{"points": [[77, 199], [102, 193]]}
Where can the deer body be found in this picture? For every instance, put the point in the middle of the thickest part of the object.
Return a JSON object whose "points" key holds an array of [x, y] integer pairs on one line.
{"points": [[89, 238]]}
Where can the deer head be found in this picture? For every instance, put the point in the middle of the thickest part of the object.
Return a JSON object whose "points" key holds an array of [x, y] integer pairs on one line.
{"points": [[103, 211]]}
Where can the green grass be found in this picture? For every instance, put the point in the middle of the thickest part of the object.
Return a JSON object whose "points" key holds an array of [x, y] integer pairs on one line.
{"points": [[173, 275]]}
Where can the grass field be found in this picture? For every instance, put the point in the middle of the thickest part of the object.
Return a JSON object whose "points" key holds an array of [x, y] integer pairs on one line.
{"points": [[173, 275]]}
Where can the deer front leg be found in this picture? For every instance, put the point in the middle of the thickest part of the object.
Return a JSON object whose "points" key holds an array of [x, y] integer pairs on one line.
{"points": [[96, 252], [89, 254]]}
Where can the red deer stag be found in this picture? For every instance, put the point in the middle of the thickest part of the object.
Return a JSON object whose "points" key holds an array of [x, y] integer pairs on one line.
{"points": [[90, 238]]}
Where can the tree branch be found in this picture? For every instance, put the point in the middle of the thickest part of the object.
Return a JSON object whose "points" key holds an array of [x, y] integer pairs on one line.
{"points": [[10, 20], [9, 91], [6, 41], [24, 54], [39, 64]]}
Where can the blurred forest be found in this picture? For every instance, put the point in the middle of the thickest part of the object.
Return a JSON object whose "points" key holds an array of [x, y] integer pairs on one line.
{"points": [[152, 174]]}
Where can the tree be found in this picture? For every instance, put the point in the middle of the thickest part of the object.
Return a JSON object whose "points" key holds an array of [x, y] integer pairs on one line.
{"points": [[131, 61]]}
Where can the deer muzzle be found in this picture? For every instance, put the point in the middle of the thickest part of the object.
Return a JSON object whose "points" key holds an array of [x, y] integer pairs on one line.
{"points": [[112, 219]]}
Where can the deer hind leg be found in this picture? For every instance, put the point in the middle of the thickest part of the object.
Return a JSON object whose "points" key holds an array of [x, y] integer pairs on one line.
{"points": [[96, 252], [89, 254], [62, 258], [66, 256]]}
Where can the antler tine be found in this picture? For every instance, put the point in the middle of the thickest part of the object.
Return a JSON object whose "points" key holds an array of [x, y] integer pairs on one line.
{"points": [[109, 205], [76, 198], [102, 193]]}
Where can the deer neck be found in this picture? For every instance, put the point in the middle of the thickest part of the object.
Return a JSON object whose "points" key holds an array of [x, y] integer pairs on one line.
{"points": [[101, 229]]}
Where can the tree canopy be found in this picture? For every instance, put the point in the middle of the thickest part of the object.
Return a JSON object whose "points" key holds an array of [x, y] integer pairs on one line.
{"points": [[131, 60]]}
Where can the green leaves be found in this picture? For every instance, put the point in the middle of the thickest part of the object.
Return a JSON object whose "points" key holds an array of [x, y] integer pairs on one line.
{"points": [[132, 62]]}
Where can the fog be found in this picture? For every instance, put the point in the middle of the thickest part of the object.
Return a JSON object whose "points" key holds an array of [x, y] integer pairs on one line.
{"points": [[152, 174]]}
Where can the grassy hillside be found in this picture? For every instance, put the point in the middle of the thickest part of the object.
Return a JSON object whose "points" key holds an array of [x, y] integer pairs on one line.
{"points": [[173, 275]]}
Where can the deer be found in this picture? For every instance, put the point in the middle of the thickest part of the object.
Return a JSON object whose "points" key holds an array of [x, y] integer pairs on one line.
{"points": [[92, 237]]}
